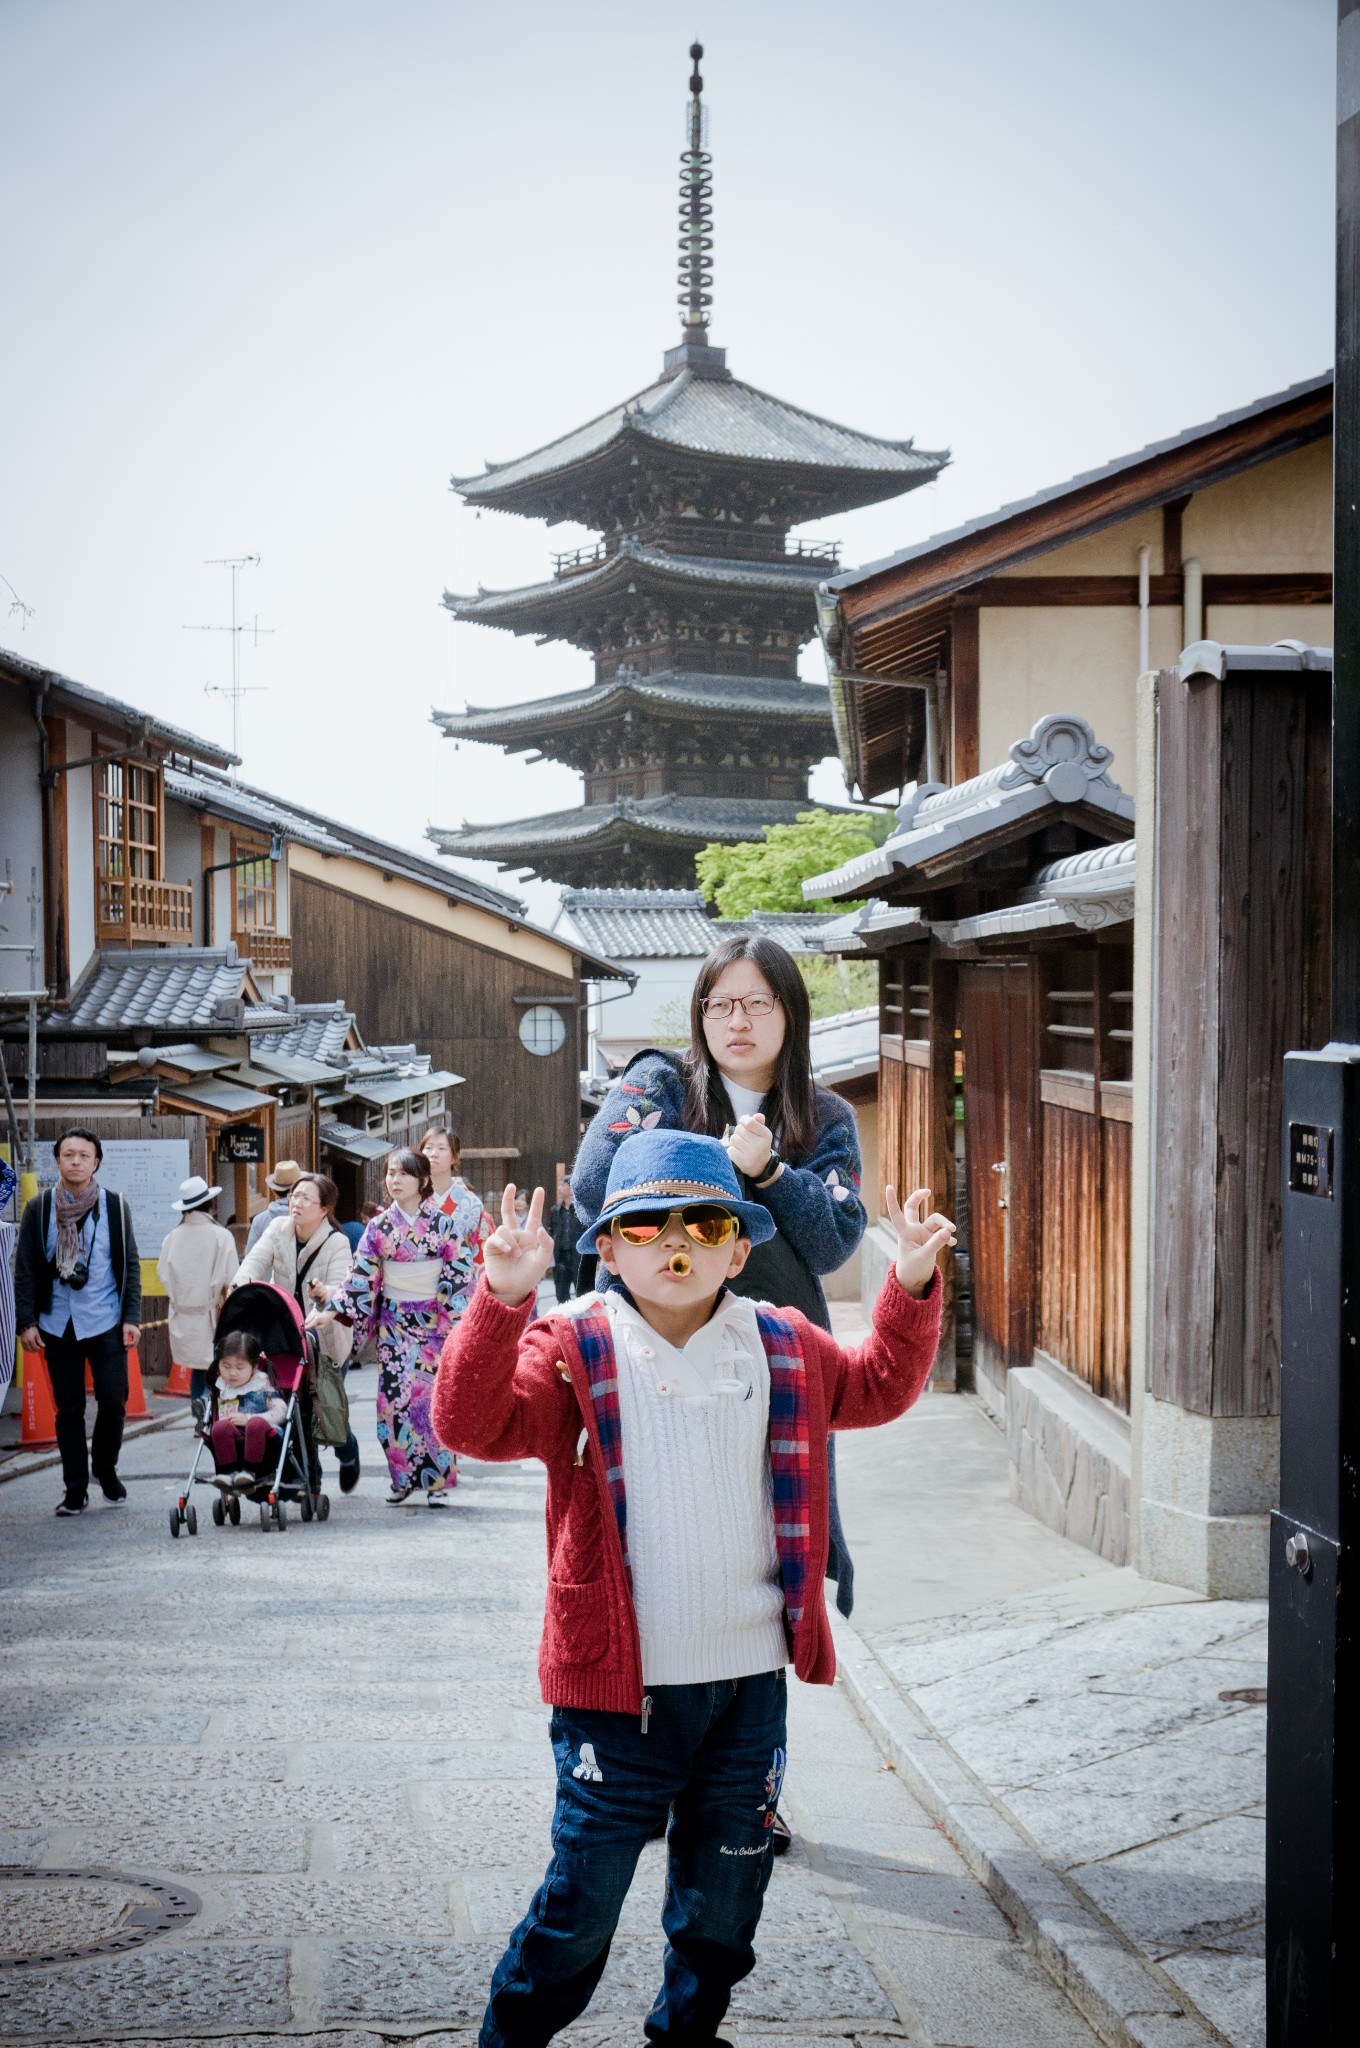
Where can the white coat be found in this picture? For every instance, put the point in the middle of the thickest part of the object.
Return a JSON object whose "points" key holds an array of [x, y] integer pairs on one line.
{"points": [[197, 1261], [274, 1256]]}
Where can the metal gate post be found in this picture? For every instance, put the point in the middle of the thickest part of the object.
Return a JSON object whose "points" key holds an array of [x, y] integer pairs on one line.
{"points": [[1313, 1958]]}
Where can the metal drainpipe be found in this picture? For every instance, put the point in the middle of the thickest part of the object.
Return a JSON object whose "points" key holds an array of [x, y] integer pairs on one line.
{"points": [[1144, 608], [1192, 603]]}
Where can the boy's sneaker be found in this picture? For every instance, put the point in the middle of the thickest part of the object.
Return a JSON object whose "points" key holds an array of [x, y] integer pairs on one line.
{"points": [[73, 1504], [113, 1490]]}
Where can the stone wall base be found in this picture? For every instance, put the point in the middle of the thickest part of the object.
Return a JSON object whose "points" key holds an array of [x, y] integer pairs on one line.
{"points": [[1070, 1456], [1209, 1483]]}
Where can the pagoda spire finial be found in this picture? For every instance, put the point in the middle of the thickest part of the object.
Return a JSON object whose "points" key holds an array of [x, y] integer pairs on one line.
{"points": [[696, 239]]}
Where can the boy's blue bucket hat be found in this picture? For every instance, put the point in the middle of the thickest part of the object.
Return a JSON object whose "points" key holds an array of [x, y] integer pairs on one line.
{"points": [[669, 1170]]}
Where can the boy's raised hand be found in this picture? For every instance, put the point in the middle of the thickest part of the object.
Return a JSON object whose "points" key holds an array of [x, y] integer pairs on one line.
{"points": [[517, 1255], [920, 1239]]}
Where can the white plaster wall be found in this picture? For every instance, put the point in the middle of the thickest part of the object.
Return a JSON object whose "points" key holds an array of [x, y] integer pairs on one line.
{"points": [[20, 836], [80, 886], [1259, 625], [1275, 517], [635, 1016], [1070, 658], [1112, 553], [183, 855]]}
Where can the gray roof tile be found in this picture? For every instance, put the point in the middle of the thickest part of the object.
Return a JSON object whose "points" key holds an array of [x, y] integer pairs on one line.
{"points": [[670, 817], [714, 416], [315, 1031], [173, 988], [757, 696]]}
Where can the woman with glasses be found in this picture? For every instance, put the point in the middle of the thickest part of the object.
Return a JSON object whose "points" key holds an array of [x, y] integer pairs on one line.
{"points": [[747, 1079]]}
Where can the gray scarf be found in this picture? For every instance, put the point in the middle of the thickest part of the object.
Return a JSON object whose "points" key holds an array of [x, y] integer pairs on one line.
{"points": [[71, 1213]]}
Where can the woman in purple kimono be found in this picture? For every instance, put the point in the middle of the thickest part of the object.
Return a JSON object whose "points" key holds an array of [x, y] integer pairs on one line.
{"points": [[411, 1279]]}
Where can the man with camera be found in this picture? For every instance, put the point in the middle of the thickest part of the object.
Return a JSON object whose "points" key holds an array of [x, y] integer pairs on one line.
{"points": [[78, 1297]]}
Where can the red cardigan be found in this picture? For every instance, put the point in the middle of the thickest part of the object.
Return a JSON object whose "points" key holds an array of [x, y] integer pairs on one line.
{"points": [[508, 1388]]}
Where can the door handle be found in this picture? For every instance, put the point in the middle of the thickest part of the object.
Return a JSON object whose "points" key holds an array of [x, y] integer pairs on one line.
{"points": [[1000, 1166]]}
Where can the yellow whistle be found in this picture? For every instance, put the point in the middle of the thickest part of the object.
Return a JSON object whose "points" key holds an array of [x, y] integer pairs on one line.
{"points": [[680, 1264]]}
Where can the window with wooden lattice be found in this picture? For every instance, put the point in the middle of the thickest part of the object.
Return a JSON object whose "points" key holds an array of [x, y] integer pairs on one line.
{"points": [[129, 861], [256, 903]]}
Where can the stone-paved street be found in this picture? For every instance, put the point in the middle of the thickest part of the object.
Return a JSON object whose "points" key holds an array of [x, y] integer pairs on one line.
{"points": [[326, 1750]]}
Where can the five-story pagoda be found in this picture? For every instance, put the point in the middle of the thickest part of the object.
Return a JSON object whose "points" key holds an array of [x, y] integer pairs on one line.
{"points": [[694, 603]]}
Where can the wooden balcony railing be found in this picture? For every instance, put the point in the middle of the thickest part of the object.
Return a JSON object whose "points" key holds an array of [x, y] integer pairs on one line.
{"points": [[148, 912], [270, 951]]}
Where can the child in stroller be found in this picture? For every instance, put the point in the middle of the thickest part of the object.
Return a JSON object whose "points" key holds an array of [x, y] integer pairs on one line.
{"points": [[248, 1414]]}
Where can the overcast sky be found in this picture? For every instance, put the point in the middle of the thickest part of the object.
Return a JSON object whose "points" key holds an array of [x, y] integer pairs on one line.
{"points": [[274, 270]]}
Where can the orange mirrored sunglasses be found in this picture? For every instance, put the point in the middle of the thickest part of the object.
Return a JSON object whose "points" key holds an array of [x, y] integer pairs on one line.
{"points": [[705, 1225]]}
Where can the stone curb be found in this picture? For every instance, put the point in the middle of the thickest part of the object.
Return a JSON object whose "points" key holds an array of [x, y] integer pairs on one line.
{"points": [[1124, 1997], [24, 1462]]}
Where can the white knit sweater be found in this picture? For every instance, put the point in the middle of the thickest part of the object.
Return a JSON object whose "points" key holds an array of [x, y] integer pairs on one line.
{"points": [[696, 1469]]}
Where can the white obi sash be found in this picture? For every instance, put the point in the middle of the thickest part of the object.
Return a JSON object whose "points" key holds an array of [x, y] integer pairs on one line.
{"points": [[411, 1279]]}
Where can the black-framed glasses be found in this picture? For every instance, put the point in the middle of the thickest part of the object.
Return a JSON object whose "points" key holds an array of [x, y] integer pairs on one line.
{"points": [[719, 1007], [706, 1226]]}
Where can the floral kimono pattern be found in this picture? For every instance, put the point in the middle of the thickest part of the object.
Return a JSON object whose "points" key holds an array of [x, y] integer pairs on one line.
{"points": [[409, 1333]]}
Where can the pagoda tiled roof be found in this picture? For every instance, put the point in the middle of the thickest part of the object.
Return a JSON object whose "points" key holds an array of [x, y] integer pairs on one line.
{"points": [[662, 570], [695, 818], [720, 417], [672, 690]]}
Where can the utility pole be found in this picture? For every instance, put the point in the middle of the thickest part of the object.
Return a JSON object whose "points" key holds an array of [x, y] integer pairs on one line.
{"points": [[1312, 1957], [235, 690]]}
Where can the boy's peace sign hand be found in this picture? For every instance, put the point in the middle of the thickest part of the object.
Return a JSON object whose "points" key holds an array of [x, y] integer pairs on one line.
{"points": [[517, 1255], [920, 1239]]}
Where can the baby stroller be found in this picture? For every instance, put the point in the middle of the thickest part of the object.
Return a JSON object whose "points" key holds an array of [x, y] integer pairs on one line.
{"points": [[273, 1318]]}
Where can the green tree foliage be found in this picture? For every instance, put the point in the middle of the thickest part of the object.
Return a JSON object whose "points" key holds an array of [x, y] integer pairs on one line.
{"points": [[768, 873], [835, 984]]}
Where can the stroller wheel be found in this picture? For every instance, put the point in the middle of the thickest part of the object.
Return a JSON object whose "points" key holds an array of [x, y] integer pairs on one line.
{"points": [[219, 1511], [281, 1514], [174, 1521], [264, 1516], [234, 1510], [191, 1519], [323, 1507], [305, 1505]]}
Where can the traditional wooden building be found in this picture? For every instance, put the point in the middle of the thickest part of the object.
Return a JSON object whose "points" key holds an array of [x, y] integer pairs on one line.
{"points": [[941, 653], [693, 604]]}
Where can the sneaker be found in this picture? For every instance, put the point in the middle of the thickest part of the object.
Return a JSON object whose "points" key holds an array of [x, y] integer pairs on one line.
{"points": [[73, 1504], [398, 1495], [113, 1490], [349, 1477]]}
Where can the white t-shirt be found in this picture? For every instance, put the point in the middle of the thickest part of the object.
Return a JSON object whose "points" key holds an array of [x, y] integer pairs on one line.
{"points": [[744, 1101]]}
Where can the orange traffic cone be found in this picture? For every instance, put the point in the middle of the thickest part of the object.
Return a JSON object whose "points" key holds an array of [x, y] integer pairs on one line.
{"points": [[136, 1402], [179, 1381], [39, 1426]]}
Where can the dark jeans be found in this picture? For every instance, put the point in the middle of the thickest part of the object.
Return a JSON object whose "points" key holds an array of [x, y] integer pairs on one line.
{"points": [[66, 1357], [713, 1758], [562, 1279]]}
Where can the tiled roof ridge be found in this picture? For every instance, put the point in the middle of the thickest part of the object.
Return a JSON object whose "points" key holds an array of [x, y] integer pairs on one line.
{"points": [[740, 569], [598, 697]]}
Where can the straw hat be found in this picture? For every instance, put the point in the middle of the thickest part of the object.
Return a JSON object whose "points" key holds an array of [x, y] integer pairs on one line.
{"points": [[194, 1193], [285, 1175]]}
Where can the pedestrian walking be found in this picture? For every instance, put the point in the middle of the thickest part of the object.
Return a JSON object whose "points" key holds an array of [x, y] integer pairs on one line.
{"points": [[684, 1431], [564, 1230], [306, 1253], [451, 1194], [196, 1265], [747, 1079], [78, 1298], [280, 1183], [411, 1280]]}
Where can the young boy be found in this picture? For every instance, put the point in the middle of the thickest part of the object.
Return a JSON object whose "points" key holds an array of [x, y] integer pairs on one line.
{"points": [[684, 1432]]}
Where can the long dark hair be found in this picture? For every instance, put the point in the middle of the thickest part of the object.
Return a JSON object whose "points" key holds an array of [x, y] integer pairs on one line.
{"points": [[793, 1095]]}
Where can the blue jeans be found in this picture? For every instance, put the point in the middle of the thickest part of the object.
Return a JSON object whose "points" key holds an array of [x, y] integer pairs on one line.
{"points": [[713, 1759]]}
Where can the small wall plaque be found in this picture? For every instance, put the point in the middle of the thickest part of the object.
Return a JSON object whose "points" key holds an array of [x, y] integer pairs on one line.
{"points": [[243, 1144], [1310, 1159]]}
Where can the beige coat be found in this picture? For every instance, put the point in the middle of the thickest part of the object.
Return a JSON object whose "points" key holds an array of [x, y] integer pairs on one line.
{"points": [[274, 1256], [196, 1265]]}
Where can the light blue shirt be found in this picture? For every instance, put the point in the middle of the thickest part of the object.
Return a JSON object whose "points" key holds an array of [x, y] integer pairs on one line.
{"points": [[96, 1306]]}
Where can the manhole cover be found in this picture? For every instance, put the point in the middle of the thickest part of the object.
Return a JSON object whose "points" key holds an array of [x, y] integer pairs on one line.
{"points": [[62, 1916]]}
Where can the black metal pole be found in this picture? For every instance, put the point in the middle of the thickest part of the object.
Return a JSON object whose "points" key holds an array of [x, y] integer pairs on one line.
{"points": [[1313, 1958]]}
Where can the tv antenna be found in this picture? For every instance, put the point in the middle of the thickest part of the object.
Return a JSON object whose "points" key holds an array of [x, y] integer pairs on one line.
{"points": [[236, 689]]}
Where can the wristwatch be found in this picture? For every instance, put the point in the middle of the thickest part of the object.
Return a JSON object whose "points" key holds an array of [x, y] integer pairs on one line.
{"points": [[774, 1166]]}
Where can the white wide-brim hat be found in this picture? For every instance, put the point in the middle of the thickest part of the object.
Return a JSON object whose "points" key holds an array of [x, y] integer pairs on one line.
{"points": [[194, 1193]]}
